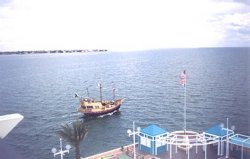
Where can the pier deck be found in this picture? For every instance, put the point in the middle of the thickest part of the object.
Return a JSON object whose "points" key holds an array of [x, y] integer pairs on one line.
{"points": [[127, 153]]}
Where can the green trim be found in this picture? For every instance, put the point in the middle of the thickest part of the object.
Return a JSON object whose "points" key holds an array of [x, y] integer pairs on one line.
{"points": [[125, 157]]}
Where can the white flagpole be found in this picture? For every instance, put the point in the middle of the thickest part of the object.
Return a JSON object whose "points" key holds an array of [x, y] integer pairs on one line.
{"points": [[183, 82], [185, 105], [227, 146]]}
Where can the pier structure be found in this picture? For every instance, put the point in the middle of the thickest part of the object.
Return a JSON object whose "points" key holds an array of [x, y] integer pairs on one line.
{"points": [[216, 142], [240, 140], [184, 141]]}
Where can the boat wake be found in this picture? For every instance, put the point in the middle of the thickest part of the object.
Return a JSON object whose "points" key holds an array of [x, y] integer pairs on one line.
{"points": [[91, 118], [109, 114]]}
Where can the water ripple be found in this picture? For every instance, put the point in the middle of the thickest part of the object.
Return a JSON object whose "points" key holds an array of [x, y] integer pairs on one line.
{"points": [[42, 89]]}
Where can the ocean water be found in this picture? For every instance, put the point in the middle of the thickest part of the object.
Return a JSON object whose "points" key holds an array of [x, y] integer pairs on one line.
{"points": [[41, 87]]}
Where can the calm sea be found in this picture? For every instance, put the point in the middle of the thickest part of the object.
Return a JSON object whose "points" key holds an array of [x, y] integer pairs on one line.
{"points": [[42, 87]]}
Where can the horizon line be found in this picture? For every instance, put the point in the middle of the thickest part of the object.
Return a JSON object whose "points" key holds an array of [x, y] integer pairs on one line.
{"points": [[118, 50]]}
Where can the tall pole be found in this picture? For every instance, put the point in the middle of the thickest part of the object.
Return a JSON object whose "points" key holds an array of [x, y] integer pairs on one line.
{"points": [[170, 154], [227, 147], [205, 150], [113, 93], [185, 105], [87, 92], [100, 85], [242, 151], [183, 82], [134, 139], [61, 148]]}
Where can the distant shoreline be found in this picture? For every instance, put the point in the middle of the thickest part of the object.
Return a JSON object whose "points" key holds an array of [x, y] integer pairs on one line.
{"points": [[50, 51], [102, 50]]}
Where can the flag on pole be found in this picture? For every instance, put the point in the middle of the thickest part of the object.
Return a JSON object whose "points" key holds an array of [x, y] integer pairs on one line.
{"points": [[183, 78]]}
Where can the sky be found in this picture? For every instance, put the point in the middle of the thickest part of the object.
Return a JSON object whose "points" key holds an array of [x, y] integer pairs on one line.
{"points": [[123, 24]]}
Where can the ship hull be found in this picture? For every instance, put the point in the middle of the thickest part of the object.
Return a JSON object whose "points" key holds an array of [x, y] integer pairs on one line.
{"points": [[102, 112]]}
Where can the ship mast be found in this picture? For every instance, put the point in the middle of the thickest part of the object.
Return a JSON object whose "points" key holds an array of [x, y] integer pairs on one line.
{"points": [[113, 93], [100, 85], [87, 92]]}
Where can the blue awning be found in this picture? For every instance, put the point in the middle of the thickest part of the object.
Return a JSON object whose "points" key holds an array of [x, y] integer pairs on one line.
{"points": [[217, 130], [153, 130], [240, 140]]}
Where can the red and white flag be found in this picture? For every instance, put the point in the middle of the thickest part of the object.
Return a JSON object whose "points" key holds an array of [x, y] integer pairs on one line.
{"points": [[183, 78]]}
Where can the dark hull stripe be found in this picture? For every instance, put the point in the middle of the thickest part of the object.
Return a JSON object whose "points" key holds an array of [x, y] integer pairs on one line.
{"points": [[102, 113]]}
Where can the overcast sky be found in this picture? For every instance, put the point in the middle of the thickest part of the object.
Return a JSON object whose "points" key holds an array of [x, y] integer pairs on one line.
{"points": [[123, 24]]}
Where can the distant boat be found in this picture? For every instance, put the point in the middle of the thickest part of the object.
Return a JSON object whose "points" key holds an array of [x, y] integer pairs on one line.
{"points": [[91, 107]]}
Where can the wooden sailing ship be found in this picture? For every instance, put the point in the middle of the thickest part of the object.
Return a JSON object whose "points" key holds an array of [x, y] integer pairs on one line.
{"points": [[91, 107]]}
